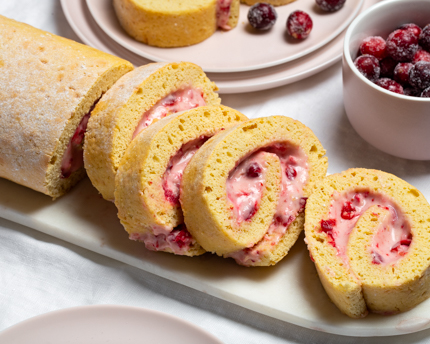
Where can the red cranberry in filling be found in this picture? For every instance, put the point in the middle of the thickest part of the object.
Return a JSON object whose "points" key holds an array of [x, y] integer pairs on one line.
{"points": [[348, 211], [330, 5], [299, 24], [174, 199], [181, 237], [303, 202], [421, 55], [419, 75], [387, 67], [368, 65], [401, 72], [413, 28], [291, 172], [253, 171], [390, 85], [426, 93], [377, 258], [251, 211], [402, 45], [328, 225], [262, 16], [374, 46], [424, 39]]}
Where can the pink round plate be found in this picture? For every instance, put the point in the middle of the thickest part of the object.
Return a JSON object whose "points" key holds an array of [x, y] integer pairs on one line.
{"points": [[243, 48], [105, 324], [82, 22]]}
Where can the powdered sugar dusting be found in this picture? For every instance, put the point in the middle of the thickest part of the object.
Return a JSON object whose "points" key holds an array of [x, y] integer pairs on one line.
{"points": [[43, 79]]}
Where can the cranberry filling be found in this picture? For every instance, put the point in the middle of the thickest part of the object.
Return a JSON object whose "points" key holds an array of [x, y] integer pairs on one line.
{"points": [[183, 99], [73, 158], [390, 241], [223, 14], [245, 185], [173, 176]]}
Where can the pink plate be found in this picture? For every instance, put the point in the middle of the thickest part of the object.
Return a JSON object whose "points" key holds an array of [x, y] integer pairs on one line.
{"points": [[241, 49], [105, 324], [79, 17]]}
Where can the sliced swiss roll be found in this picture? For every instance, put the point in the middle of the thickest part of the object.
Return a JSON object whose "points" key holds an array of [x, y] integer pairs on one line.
{"points": [[165, 23], [138, 99], [368, 233], [244, 192], [148, 182], [48, 86]]}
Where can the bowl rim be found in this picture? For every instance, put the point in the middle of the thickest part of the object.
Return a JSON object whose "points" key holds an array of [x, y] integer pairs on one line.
{"points": [[347, 56]]}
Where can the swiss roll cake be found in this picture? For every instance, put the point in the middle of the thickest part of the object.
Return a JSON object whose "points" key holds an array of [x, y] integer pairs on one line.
{"points": [[48, 86], [167, 23], [244, 192], [148, 181], [368, 233], [138, 99]]}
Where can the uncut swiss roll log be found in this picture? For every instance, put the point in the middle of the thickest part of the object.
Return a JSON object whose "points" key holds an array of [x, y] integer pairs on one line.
{"points": [[166, 23], [138, 99], [48, 86], [368, 233], [148, 182], [244, 192]]}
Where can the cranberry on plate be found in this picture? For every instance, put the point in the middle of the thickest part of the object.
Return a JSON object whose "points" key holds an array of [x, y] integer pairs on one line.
{"points": [[262, 16], [368, 65], [299, 24], [330, 5]]}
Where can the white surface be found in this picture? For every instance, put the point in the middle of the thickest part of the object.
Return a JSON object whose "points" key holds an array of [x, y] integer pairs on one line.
{"points": [[396, 124], [241, 48], [86, 28], [105, 324], [40, 273]]}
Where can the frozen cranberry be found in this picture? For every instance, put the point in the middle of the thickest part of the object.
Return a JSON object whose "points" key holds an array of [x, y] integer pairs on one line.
{"points": [[368, 65], [330, 5], [402, 45], [348, 211], [390, 85], [421, 55], [426, 93], [299, 24], [291, 172], [253, 171], [262, 16], [401, 72], [411, 92], [413, 28], [374, 46], [387, 67], [424, 39], [419, 76]]}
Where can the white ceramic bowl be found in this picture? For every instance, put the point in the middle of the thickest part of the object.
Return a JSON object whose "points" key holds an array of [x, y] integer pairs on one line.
{"points": [[394, 123]]}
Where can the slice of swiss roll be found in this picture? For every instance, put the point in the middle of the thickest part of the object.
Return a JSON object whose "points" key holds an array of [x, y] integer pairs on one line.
{"points": [[368, 233], [148, 182], [244, 192], [48, 86], [165, 23], [141, 97]]}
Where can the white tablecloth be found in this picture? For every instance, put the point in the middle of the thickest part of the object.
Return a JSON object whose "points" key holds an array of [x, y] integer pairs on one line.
{"points": [[39, 273]]}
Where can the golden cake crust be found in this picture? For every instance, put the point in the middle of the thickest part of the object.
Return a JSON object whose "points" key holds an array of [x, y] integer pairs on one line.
{"points": [[139, 194], [117, 114], [364, 286], [204, 201], [167, 23], [47, 84]]}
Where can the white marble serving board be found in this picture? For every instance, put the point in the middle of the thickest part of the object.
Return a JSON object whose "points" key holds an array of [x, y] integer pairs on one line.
{"points": [[289, 291]]}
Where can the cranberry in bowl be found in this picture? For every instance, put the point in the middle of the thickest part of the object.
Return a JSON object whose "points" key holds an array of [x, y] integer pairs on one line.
{"points": [[391, 118]]}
